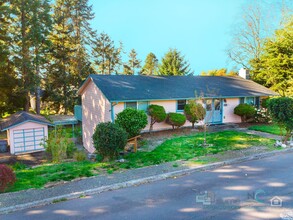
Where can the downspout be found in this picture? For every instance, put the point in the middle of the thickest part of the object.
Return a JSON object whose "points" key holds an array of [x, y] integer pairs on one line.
{"points": [[112, 111]]}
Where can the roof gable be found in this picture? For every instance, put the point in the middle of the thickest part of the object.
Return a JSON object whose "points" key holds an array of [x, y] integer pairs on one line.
{"points": [[138, 87], [20, 118]]}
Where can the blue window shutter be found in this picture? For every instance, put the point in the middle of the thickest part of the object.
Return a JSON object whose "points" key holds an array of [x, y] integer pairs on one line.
{"points": [[242, 100]]}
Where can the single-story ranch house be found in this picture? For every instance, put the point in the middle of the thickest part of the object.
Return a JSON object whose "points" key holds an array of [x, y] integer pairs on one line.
{"points": [[104, 96]]}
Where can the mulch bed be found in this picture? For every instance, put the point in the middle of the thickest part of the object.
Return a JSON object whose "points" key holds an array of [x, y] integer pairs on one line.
{"points": [[30, 159]]}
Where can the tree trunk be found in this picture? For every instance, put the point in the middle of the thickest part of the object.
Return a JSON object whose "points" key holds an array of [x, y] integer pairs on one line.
{"points": [[38, 101], [27, 102]]}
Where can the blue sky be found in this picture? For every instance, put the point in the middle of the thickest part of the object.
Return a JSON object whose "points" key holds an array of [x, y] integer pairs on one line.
{"points": [[200, 29]]}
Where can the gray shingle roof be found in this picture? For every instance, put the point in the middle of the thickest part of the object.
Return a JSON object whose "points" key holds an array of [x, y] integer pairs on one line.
{"points": [[20, 117], [127, 88]]}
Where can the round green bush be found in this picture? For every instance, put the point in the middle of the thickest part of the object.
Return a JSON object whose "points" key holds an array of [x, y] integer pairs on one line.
{"points": [[132, 121], [175, 119], [157, 114], [109, 139], [194, 112], [7, 177], [245, 111]]}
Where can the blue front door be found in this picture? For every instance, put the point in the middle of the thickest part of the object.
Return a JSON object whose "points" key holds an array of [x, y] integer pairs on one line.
{"points": [[214, 111]]}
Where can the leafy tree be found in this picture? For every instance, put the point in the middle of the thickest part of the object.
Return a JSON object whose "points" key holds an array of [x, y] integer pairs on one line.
{"points": [[133, 63], [275, 65], [194, 112], [151, 65], [174, 64], [245, 111], [157, 114], [107, 56], [109, 139], [281, 110], [176, 120], [132, 121], [256, 21], [219, 72]]}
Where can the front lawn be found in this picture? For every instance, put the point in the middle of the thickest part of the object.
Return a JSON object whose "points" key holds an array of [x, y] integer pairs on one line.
{"points": [[178, 148], [188, 147], [272, 128]]}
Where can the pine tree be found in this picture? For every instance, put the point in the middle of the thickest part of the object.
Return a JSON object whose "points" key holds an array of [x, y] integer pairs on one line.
{"points": [[10, 97], [41, 25], [133, 63], [81, 15], [60, 91], [151, 65], [174, 64], [107, 56], [22, 10]]}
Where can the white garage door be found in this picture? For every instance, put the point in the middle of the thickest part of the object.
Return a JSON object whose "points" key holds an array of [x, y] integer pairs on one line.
{"points": [[26, 140]]}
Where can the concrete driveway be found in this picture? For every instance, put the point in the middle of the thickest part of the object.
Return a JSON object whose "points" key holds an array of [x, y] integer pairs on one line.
{"points": [[241, 191]]}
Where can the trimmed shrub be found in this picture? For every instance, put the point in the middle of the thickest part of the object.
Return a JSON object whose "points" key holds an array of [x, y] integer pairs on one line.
{"points": [[7, 177], [281, 110], [157, 114], [194, 112], [245, 111], [132, 121], [109, 139], [176, 120]]}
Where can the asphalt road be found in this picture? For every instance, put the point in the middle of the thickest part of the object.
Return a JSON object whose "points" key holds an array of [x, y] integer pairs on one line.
{"points": [[241, 191]]}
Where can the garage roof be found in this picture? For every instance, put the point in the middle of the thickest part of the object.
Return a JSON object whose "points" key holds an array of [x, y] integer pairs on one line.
{"points": [[21, 117]]}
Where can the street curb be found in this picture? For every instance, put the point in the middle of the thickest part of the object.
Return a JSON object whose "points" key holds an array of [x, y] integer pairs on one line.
{"points": [[142, 181]]}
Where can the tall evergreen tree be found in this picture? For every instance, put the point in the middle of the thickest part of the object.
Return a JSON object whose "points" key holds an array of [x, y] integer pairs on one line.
{"points": [[151, 65], [174, 64], [70, 61], [10, 97], [60, 91], [41, 25], [133, 64], [107, 56], [22, 43], [29, 35], [83, 35]]}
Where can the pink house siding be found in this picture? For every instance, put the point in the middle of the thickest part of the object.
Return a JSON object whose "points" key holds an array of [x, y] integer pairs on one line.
{"points": [[29, 140], [228, 111], [95, 109]]}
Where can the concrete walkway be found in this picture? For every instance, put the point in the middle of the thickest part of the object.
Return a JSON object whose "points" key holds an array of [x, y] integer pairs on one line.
{"points": [[78, 188]]}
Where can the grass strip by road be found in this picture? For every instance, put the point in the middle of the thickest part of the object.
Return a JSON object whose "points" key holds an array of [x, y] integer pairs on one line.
{"points": [[177, 148], [271, 128]]}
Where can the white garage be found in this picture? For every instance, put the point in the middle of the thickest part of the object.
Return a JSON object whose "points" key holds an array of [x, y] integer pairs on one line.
{"points": [[26, 132]]}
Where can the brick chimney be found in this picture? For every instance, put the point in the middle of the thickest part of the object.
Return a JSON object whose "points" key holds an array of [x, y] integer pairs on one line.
{"points": [[244, 73]]}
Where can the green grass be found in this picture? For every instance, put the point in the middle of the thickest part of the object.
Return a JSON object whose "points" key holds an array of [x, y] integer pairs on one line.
{"points": [[272, 128], [188, 147], [177, 148], [39, 176]]}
